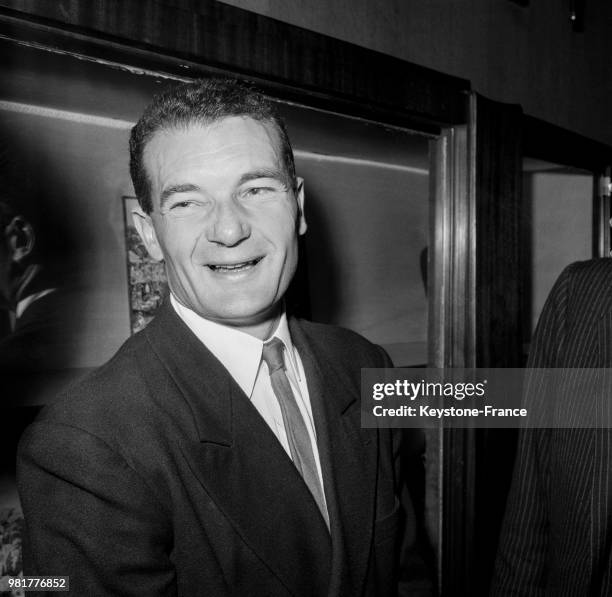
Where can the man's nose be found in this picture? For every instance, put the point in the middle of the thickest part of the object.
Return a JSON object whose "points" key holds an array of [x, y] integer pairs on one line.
{"points": [[229, 224]]}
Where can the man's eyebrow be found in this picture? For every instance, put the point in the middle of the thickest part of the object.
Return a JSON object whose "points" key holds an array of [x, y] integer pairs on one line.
{"points": [[264, 173], [176, 188]]}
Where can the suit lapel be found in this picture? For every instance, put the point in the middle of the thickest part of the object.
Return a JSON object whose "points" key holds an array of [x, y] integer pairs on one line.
{"points": [[348, 460], [242, 466]]}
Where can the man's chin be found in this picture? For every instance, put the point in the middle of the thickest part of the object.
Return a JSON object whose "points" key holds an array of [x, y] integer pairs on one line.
{"points": [[241, 319], [259, 323], [245, 318]]}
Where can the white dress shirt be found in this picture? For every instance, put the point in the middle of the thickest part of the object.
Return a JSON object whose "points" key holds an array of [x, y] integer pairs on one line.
{"points": [[240, 353]]}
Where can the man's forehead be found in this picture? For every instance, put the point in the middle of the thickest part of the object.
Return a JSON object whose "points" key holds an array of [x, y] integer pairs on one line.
{"points": [[248, 127], [184, 145]]}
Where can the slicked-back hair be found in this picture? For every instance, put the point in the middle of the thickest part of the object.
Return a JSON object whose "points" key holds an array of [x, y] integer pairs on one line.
{"points": [[203, 102]]}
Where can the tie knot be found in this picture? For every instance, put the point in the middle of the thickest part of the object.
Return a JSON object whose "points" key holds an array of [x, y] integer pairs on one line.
{"points": [[272, 354]]}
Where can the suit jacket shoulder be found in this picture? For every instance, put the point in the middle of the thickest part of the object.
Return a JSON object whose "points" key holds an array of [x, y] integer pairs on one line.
{"points": [[589, 287], [344, 345], [121, 391], [108, 394], [569, 332]]}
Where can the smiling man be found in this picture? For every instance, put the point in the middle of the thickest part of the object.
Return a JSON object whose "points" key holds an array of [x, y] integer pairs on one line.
{"points": [[225, 218], [220, 451]]}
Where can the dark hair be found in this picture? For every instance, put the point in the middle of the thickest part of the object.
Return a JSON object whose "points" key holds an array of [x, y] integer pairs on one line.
{"points": [[203, 101]]}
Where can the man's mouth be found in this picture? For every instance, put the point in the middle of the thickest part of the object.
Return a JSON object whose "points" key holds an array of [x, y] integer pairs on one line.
{"points": [[234, 267]]}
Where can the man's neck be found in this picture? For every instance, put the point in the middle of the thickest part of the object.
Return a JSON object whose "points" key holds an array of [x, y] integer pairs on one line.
{"points": [[261, 329]]}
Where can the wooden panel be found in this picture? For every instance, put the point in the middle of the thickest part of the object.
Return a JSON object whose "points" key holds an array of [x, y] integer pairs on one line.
{"points": [[476, 322], [498, 166], [526, 55], [548, 142], [498, 215], [291, 60], [452, 273], [452, 338]]}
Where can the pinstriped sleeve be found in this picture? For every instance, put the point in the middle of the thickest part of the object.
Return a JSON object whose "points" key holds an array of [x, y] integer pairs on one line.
{"points": [[520, 568]]}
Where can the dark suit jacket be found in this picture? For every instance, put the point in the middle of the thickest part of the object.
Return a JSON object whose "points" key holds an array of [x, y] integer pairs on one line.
{"points": [[157, 476], [557, 534]]}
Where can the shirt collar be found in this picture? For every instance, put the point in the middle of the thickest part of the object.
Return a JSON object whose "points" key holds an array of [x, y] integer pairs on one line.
{"points": [[239, 352]]}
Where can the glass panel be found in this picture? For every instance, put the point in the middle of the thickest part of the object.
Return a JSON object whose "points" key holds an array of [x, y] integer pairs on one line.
{"points": [[66, 123], [558, 227], [367, 189], [367, 198]]}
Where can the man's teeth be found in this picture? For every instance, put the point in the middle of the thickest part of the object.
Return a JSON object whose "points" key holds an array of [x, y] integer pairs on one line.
{"points": [[233, 267]]}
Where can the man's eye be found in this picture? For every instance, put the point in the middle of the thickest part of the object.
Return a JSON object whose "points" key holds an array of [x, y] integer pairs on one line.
{"points": [[181, 204], [257, 190]]}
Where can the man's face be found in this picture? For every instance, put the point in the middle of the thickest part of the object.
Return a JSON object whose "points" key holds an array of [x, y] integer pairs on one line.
{"points": [[224, 218]]}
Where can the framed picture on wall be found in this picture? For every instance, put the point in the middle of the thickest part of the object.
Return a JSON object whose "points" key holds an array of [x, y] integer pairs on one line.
{"points": [[147, 283]]}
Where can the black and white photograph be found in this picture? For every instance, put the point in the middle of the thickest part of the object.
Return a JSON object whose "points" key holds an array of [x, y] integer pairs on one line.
{"points": [[218, 218]]}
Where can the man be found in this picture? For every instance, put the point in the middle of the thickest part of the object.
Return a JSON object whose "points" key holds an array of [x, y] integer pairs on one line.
{"points": [[557, 532], [220, 451], [39, 310], [24, 289]]}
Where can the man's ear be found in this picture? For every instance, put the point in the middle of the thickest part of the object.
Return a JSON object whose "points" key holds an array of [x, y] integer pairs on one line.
{"points": [[146, 230], [302, 226], [20, 238]]}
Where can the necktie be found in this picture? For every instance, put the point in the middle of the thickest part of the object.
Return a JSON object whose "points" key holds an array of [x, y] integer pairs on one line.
{"points": [[295, 427]]}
